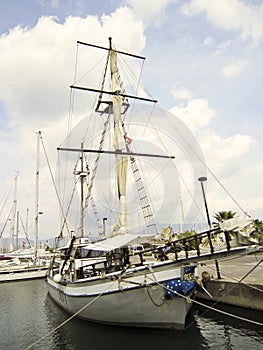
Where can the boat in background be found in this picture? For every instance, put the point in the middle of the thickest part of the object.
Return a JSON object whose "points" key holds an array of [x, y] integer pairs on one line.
{"points": [[27, 263], [23, 267], [108, 281]]}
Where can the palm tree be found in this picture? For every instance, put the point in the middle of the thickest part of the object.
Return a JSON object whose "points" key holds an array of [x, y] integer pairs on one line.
{"points": [[259, 227], [222, 216]]}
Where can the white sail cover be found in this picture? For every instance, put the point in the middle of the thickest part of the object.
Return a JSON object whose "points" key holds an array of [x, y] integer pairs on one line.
{"points": [[165, 236], [119, 145], [243, 228], [113, 242]]}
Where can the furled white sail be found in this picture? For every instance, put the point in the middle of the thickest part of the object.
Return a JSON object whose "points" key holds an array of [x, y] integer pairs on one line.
{"points": [[242, 228], [119, 145]]}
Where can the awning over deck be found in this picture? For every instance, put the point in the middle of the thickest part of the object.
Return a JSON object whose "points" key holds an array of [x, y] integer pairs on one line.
{"points": [[116, 242]]}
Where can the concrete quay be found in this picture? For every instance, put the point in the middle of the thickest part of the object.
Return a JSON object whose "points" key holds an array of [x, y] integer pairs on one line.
{"points": [[240, 282]]}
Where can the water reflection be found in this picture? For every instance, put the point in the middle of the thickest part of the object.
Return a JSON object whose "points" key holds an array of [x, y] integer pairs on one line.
{"points": [[80, 334], [28, 315], [225, 332]]}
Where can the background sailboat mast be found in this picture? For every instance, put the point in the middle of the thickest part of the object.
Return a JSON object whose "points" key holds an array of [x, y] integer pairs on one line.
{"points": [[17, 229], [37, 194], [13, 219], [82, 199]]}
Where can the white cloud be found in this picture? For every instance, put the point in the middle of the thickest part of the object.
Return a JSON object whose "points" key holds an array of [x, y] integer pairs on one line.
{"points": [[37, 64], [125, 27], [153, 10], [245, 18], [196, 114], [231, 161], [208, 42], [218, 150], [223, 46], [181, 93], [249, 195], [229, 150], [37, 68], [234, 69]]}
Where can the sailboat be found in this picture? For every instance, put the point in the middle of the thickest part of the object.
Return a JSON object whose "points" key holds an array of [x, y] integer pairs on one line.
{"points": [[26, 263], [145, 278]]}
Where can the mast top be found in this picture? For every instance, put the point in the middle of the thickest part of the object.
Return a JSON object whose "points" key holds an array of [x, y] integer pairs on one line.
{"points": [[110, 43], [110, 48]]}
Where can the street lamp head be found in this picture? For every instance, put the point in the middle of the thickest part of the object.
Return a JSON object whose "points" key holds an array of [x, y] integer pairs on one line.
{"points": [[203, 178]]}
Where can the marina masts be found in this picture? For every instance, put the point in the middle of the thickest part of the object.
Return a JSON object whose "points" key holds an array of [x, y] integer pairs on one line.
{"points": [[37, 194]]}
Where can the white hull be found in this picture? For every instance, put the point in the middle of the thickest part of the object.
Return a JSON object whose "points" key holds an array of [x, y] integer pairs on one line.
{"points": [[135, 300], [20, 274]]}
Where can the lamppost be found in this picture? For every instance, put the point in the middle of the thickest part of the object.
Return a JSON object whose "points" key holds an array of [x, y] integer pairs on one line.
{"points": [[104, 228], [203, 179]]}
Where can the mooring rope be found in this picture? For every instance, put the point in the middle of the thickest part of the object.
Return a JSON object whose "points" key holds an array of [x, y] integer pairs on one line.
{"points": [[154, 279], [226, 293], [240, 280], [206, 306], [70, 318]]}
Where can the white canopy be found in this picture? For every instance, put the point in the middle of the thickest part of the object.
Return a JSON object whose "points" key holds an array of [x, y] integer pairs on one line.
{"points": [[115, 242]]}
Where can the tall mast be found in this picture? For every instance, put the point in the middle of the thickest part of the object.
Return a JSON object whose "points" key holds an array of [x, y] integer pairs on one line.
{"points": [[26, 233], [13, 219], [17, 229], [37, 194], [116, 105], [110, 91], [82, 177], [82, 173], [119, 145]]}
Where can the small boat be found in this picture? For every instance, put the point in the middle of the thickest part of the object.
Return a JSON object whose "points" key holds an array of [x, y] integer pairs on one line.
{"points": [[125, 278], [21, 268], [27, 263]]}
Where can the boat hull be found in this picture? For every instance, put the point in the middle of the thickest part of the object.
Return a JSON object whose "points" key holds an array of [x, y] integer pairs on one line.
{"points": [[19, 274], [135, 301]]}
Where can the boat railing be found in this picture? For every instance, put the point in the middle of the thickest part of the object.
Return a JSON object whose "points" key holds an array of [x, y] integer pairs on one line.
{"points": [[208, 244], [212, 240]]}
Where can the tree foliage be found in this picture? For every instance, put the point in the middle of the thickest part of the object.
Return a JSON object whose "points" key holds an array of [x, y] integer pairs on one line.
{"points": [[259, 233], [223, 215]]}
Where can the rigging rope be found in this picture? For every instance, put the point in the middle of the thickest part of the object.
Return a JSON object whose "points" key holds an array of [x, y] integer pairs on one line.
{"points": [[11, 187], [240, 280], [54, 184], [160, 284], [204, 305], [226, 293], [209, 170], [70, 318]]}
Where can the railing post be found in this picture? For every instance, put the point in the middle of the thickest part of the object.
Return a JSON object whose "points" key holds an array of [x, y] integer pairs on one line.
{"points": [[227, 240], [185, 248], [197, 245], [210, 242], [175, 251]]}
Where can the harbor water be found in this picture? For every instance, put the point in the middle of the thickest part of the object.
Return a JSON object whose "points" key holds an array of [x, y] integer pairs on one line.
{"points": [[30, 320]]}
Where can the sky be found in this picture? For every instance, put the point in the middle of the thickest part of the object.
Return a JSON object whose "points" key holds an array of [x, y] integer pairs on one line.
{"points": [[203, 64]]}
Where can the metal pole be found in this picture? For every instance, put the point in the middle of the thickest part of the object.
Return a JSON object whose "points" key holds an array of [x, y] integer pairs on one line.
{"points": [[202, 179], [37, 196], [17, 228], [104, 228], [82, 193]]}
